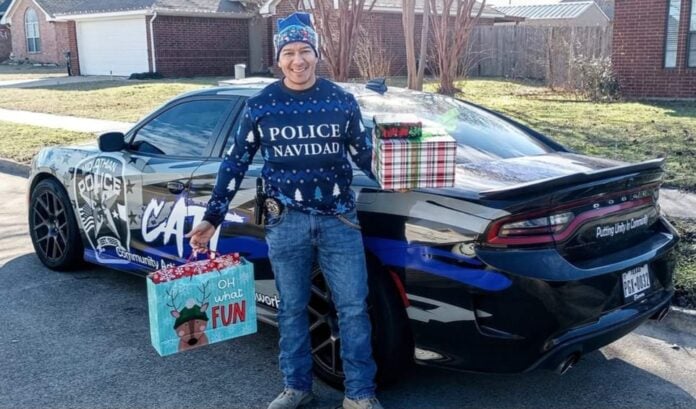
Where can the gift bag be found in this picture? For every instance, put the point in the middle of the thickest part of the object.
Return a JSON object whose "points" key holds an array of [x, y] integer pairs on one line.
{"points": [[201, 302]]}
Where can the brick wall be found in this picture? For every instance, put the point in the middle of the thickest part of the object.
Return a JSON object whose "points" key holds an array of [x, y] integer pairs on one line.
{"points": [[53, 41], [72, 46], [5, 42], [386, 26], [639, 51], [186, 46]]}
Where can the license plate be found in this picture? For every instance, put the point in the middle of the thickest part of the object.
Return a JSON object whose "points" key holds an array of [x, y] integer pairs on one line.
{"points": [[635, 282]]}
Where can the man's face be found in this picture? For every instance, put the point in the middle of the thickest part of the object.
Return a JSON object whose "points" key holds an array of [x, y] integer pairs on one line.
{"points": [[298, 63]]}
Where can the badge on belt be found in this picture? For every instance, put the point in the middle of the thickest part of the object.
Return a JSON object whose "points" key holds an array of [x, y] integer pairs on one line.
{"points": [[273, 207]]}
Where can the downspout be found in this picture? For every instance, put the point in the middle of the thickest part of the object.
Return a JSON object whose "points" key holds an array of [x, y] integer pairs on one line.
{"points": [[152, 43]]}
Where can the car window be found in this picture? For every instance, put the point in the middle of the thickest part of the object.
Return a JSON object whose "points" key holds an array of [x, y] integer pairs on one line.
{"points": [[183, 130], [258, 159], [480, 135]]}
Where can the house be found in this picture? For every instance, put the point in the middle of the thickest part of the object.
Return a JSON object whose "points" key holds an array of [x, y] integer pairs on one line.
{"points": [[654, 50], [572, 13], [5, 36], [383, 22], [607, 6], [121, 37]]}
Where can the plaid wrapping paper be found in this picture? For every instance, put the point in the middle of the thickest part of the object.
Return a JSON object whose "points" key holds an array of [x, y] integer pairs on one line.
{"points": [[427, 162], [398, 126]]}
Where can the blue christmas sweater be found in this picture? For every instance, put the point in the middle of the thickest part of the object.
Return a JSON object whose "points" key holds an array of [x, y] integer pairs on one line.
{"points": [[304, 137]]}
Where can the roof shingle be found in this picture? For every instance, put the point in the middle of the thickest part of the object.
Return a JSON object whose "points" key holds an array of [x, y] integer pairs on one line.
{"points": [[63, 7], [547, 11]]}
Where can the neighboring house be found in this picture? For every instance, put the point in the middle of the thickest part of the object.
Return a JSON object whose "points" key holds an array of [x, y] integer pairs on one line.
{"points": [[575, 13], [5, 36], [654, 50], [607, 6], [121, 37], [382, 23]]}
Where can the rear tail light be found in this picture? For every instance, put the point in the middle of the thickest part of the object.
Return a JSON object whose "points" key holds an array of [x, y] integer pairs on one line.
{"points": [[539, 229]]}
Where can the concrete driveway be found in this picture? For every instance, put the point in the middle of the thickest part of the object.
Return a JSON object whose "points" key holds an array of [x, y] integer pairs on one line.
{"points": [[81, 340]]}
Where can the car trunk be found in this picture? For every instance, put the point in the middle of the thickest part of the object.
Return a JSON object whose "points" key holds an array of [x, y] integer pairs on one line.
{"points": [[610, 249]]}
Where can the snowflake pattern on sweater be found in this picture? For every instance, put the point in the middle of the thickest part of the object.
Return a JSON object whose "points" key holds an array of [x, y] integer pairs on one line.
{"points": [[304, 138]]}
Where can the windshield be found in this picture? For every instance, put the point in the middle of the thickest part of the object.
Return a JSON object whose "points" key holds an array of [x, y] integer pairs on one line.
{"points": [[480, 136]]}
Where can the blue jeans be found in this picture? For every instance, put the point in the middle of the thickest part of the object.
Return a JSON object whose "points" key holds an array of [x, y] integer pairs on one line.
{"points": [[295, 240]]}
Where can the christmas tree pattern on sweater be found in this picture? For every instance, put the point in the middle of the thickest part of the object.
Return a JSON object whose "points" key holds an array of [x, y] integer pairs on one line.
{"points": [[305, 138]]}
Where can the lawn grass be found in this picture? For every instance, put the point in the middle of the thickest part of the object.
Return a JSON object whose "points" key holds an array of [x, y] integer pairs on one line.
{"points": [[685, 278], [22, 142], [630, 131], [113, 100]]}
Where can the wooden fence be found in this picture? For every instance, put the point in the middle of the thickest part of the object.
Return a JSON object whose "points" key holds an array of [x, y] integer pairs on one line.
{"points": [[543, 53]]}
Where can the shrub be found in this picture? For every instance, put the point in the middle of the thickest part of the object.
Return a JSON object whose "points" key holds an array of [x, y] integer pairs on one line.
{"points": [[146, 76], [595, 78]]}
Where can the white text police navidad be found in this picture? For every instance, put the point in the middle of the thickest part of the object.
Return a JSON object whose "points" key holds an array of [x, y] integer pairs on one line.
{"points": [[303, 133]]}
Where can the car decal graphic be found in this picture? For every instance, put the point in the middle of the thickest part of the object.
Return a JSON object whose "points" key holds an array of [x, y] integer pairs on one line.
{"points": [[437, 262], [157, 224], [440, 311], [101, 203]]}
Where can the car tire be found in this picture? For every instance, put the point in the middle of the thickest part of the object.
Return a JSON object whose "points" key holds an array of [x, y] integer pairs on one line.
{"points": [[53, 228], [392, 341]]}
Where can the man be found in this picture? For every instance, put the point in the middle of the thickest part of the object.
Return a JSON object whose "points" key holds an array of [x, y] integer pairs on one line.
{"points": [[305, 127]]}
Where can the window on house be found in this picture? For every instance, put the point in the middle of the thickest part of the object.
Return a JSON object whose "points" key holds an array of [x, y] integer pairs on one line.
{"points": [[31, 30], [672, 33], [692, 36]]}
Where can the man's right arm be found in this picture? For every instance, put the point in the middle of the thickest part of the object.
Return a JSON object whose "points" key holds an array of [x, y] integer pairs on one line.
{"points": [[232, 169]]}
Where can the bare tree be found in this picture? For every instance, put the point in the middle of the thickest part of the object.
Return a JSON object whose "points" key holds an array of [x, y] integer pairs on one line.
{"points": [[371, 56], [453, 23], [408, 20], [338, 23], [425, 32]]}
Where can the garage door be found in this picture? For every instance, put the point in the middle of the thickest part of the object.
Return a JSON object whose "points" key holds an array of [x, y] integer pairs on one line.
{"points": [[112, 47]]}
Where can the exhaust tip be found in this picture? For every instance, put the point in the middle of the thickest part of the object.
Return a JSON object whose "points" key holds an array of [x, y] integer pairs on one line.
{"points": [[567, 363]]}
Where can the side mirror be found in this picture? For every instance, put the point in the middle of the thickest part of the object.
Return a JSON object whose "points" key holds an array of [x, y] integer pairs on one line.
{"points": [[112, 141]]}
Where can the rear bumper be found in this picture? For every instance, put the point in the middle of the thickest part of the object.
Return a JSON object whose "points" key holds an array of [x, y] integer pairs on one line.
{"points": [[607, 329]]}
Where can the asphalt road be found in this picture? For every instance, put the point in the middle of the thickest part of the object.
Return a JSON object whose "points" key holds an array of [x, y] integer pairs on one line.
{"points": [[81, 340]]}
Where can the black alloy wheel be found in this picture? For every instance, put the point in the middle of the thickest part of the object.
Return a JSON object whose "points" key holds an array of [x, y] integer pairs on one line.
{"points": [[392, 341], [323, 330], [52, 226]]}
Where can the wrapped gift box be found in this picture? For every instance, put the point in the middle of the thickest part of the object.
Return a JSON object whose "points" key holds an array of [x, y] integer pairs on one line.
{"points": [[390, 126], [425, 162]]}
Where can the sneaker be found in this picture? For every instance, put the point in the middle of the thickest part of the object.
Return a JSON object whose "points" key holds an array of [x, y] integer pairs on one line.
{"points": [[369, 403], [291, 399]]}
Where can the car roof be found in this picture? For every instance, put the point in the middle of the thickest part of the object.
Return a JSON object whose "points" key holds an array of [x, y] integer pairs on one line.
{"points": [[250, 86]]}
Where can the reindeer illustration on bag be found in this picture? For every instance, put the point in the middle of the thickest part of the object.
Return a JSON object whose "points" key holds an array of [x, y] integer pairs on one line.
{"points": [[192, 320]]}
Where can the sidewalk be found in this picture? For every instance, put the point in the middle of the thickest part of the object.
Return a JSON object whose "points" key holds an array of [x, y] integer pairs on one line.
{"points": [[58, 80], [69, 123]]}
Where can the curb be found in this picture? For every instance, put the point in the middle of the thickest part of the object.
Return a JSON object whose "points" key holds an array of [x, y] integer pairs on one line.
{"points": [[680, 319], [14, 168]]}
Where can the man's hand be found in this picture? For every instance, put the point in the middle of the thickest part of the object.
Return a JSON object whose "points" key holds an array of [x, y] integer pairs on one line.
{"points": [[200, 235]]}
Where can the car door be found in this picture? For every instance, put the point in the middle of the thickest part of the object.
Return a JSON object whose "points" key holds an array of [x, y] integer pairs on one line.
{"points": [[156, 167], [238, 233]]}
